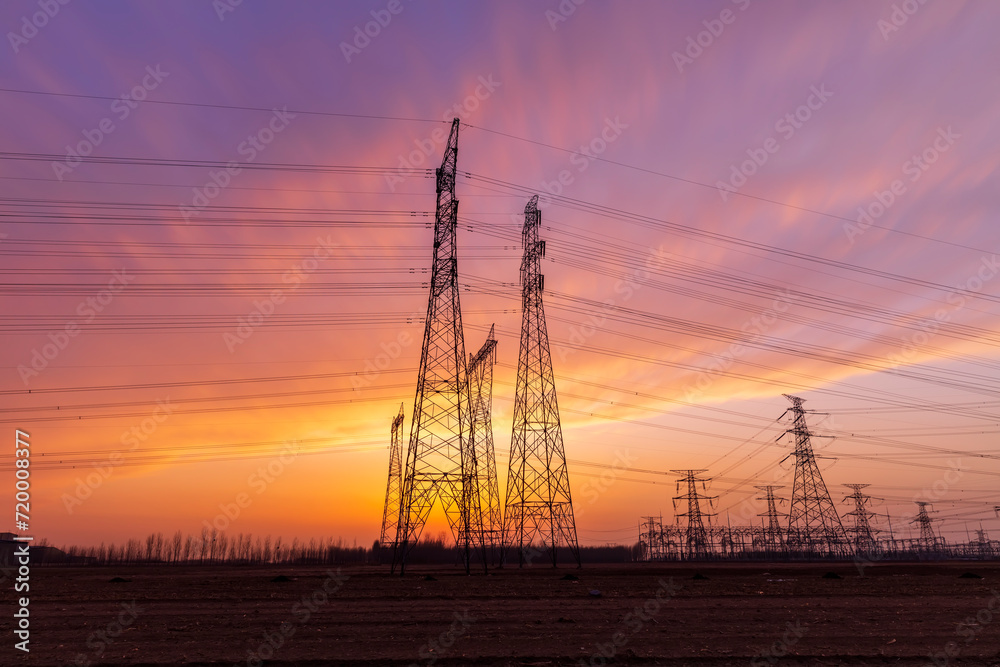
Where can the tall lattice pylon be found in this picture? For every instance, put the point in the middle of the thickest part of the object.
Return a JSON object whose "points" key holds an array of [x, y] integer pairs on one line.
{"points": [[483, 455], [928, 540], [651, 546], [862, 534], [696, 536], [813, 522], [440, 427], [393, 487], [538, 514], [774, 537]]}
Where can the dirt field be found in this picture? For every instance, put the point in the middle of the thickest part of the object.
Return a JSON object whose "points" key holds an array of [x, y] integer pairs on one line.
{"points": [[645, 615]]}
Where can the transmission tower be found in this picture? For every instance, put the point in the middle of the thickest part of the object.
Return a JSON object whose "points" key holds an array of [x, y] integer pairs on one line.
{"points": [[538, 505], [862, 534], [773, 536], [812, 517], [696, 535], [485, 490], [982, 544], [435, 466], [394, 487], [651, 546], [928, 540]]}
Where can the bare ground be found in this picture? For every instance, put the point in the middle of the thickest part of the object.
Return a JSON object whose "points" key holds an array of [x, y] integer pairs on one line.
{"points": [[897, 614]]}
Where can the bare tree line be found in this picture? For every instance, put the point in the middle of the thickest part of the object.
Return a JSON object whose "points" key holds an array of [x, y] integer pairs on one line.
{"points": [[219, 547], [213, 546]]}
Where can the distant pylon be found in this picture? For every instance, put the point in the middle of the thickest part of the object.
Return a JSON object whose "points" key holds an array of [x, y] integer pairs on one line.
{"points": [[773, 536], [982, 543], [440, 428], [538, 512], [928, 540], [651, 546], [862, 534], [487, 488], [696, 535], [813, 521], [394, 487]]}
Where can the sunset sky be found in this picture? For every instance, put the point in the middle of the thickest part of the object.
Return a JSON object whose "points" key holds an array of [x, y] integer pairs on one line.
{"points": [[740, 200]]}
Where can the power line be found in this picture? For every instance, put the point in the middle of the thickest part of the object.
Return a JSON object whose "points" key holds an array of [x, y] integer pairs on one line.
{"points": [[738, 193], [304, 112]]}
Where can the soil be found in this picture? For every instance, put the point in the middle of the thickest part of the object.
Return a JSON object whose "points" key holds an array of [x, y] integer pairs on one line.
{"points": [[635, 614]]}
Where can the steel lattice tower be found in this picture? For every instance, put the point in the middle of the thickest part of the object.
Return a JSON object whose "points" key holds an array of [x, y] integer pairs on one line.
{"points": [[982, 543], [696, 535], [862, 534], [539, 505], [928, 540], [651, 546], [773, 535], [481, 397], [812, 517], [394, 487], [440, 427]]}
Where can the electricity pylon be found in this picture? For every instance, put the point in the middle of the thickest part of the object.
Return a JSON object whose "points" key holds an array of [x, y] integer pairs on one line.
{"points": [[863, 535], [481, 397], [928, 540], [651, 546], [696, 535], [982, 543], [440, 428], [394, 487], [812, 517], [538, 504], [773, 536]]}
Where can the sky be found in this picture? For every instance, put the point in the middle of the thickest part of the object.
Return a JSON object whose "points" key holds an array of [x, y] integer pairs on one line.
{"points": [[217, 225]]}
